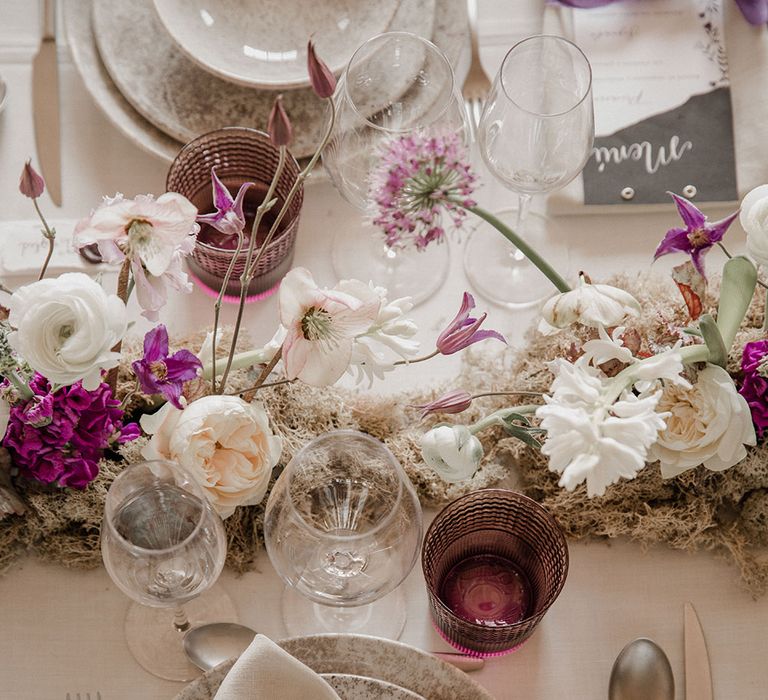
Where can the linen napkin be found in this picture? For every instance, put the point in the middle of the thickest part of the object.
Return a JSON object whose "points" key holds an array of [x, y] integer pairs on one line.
{"points": [[23, 249], [265, 672]]}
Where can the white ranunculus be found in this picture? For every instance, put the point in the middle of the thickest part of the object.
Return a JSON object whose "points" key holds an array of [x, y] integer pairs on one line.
{"points": [[452, 451], [590, 436], [709, 423], [65, 328], [754, 220], [589, 304], [223, 442]]}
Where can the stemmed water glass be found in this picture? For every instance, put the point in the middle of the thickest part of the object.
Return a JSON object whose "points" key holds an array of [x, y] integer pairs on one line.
{"points": [[342, 528], [163, 545], [396, 84], [535, 136]]}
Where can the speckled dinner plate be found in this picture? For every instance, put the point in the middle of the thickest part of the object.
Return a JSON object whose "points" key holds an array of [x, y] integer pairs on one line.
{"points": [[332, 655], [449, 33], [183, 100]]}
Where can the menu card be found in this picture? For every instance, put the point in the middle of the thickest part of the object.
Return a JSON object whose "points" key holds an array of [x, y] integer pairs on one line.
{"points": [[662, 98]]}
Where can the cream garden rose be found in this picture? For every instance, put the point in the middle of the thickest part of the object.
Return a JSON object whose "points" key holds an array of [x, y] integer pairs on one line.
{"points": [[708, 423], [224, 443], [754, 220], [65, 328]]}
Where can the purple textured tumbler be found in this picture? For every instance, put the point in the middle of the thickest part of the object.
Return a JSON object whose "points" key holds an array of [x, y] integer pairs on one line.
{"points": [[494, 562]]}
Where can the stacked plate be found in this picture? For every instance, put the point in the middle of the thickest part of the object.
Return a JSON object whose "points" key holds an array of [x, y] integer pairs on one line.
{"points": [[363, 668], [167, 71]]}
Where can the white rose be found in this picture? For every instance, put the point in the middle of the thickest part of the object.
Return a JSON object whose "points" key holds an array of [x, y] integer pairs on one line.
{"points": [[223, 442], [710, 423], [754, 221], [452, 451], [66, 328], [589, 304]]}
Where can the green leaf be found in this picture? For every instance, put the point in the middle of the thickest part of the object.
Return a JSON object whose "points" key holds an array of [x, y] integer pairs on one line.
{"points": [[736, 291], [718, 354], [512, 417]]}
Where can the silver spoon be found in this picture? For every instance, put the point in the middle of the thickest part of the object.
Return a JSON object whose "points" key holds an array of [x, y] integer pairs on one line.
{"points": [[642, 672], [3, 92], [209, 645]]}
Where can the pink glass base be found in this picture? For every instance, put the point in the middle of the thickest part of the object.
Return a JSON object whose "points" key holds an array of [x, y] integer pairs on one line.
{"points": [[474, 652], [231, 298]]}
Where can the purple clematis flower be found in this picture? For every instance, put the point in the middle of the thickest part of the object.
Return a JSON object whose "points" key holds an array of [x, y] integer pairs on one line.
{"points": [[464, 330], [228, 217], [754, 11], [160, 374], [696, 237], [453, 402]]}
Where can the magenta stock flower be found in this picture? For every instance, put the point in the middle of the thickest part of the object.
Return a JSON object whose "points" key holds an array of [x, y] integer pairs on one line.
{"points": [[696, 237], [464, 330], [60, 438], [418, 178], [453, 402], [321, 78], [228, 217], [754, 387], [159, 373], [31, 184]]}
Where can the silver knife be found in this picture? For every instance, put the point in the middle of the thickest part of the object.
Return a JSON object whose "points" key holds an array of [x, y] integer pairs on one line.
{"points": [[698, 676], [45, 104]]}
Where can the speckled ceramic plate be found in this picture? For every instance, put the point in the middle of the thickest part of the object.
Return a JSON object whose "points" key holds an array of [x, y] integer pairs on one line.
{"points": [[263, 45], [403, 666], [184, 101], [449, 33]]}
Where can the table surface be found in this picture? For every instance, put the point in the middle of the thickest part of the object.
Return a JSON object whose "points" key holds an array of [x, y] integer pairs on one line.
{"points": [[62, 631]]}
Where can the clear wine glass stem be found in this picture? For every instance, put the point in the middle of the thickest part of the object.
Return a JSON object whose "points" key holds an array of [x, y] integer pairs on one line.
{"points": [[180, 620], [523, 206]]}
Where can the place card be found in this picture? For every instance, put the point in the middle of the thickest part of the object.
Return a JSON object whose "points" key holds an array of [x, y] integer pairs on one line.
{"points": [[661, 89], [23, 249]]}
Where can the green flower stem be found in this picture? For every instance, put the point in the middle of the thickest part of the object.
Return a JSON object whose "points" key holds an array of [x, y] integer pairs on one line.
{"points": [[521, 245], [497, 417], [417, 359], [240, 360], [50, 235], [20, 385]]}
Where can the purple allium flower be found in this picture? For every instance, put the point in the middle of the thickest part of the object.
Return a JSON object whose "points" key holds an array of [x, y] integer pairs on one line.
{"points": [[228, 217], [418, 177], [696, 237], [453, 402], [160, 374], [754, 386], [464, 330], [60, 438]]}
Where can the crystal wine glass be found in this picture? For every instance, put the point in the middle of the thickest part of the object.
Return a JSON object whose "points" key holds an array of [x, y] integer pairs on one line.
{"points": [[396, 84], [163, 545], [342, 528], [535, 136]]}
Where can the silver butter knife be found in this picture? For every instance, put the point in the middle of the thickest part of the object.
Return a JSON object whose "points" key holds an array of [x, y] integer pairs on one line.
{"points": [[698, 676], [45, 104]]}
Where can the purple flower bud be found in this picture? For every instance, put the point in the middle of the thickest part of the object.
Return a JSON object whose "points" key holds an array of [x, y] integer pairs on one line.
{"points": [[320, 76], [464, 330], [278, 125], [452, 402], [31, 184]]}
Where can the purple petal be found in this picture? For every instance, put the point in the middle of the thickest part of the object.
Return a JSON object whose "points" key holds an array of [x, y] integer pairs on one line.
{"points": [[222, 198], [483, 335], [754, 11], [717, 230], [182, 365], [210, 219], [147, 380], [675, 240], [697, 258], [172, 392], [460, 320], [237, 205], [691, 215], [156, 344]]}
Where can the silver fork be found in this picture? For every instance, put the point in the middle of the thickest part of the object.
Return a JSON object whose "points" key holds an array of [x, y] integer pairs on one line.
{"points": [[83, 696], [476, 84]]}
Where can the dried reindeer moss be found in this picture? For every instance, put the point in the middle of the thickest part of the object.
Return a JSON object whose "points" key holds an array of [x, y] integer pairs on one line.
{"points": [[700, 510]]}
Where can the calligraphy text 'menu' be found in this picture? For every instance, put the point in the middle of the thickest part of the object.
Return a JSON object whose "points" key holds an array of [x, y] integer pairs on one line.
{"points": [[652, 156]]}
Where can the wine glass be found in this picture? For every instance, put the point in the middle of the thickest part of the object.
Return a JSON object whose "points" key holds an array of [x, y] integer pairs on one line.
{"points": [[163, 545], [396, 84], [535, 136], [342, 528]]}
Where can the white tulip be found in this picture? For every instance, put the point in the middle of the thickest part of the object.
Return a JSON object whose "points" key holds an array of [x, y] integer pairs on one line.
{"points": [[452, 451], [65, 328], [589, 304], [754, 221]]}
